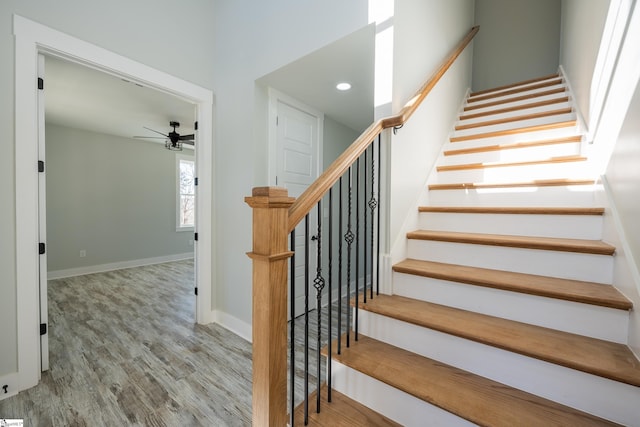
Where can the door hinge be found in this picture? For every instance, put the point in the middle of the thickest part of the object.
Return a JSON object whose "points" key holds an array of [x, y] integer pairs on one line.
{"points": [[43, 328], [195, 236], [40, 166], [40, 83], [41, 248], [196, 290], [195, 125], [195, 181]]}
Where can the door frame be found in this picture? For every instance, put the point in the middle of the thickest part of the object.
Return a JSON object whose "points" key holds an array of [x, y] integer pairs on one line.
{"points": [[32, 38]]}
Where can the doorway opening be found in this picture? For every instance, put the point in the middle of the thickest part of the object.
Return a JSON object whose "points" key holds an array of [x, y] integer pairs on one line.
{"points": [[32, 39]]}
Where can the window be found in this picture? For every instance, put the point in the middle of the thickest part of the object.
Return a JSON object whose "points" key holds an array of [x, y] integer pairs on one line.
{"points": [[186, 191]]}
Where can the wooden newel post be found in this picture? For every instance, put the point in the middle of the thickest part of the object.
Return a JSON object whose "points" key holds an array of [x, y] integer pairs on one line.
{"points": [[270, 257]]}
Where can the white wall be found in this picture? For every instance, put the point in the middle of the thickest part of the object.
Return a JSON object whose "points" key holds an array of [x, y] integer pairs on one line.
{"points": [[141, 30], [113, 197], [518, 40], [433, 28], [254, 38], [581, 32], [623, 178]]}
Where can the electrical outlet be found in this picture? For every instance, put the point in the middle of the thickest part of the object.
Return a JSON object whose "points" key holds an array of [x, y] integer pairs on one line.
{"points": [[83, 253]]}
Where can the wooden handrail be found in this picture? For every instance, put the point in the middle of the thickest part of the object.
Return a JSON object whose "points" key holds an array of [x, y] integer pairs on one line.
{"points": [[330, 176]]}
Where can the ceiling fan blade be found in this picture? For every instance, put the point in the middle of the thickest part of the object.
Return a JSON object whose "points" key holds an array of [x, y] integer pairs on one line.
{"points": [[189, 142], [167, 136], [186, 137]]}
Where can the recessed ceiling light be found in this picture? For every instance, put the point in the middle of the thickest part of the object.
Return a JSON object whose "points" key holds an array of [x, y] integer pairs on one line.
{"points": [[343, 86]]}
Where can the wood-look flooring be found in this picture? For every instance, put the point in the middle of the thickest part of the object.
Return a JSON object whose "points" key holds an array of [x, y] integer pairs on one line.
{"points": [[125, 351]]}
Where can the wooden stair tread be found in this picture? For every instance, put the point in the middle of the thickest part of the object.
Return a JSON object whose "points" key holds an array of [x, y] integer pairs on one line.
{"points": [[537, 183], [467, 166], [469, 396], [598, 357], [548, 102], [505, 132], [515, 99], [529, 242], [514, 119], [550, 287], [521, 210], [516, 84], [515, 145], [514, 91], [340, 412]]}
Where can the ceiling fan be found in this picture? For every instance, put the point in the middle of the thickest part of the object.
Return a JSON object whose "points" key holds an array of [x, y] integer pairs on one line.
{"points": [[173, 139]]}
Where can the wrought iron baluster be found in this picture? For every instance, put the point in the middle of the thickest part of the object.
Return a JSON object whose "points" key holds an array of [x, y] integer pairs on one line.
{"points": [[292, 334], [378, 238], [357, 278], [364, 229], [372, 205], [318, 284], [306, 320], [340, 270], [349, 237], [329, 296]]}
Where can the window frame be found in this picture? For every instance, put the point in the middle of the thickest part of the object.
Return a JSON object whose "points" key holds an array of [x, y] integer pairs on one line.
{"points": [[184, 158]]}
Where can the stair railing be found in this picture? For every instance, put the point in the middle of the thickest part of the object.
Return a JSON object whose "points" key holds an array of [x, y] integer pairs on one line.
{"points": [[354, 179]]}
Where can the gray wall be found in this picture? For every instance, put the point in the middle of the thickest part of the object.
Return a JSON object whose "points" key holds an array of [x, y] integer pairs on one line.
{"points": [[254, 38], [144, 31], [582, 25], [113, 197], [518, 40]]}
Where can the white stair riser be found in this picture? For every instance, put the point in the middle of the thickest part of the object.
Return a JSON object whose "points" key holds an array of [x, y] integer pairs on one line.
{"points": [[562, 226], [514, 125], [517, 86], [575, 195], [511, 114], [568, 265], [584, 319], [577, 169], [512, 155], [389, 401], [479, 98], [560, 132], [580, 390], [508, 104]]}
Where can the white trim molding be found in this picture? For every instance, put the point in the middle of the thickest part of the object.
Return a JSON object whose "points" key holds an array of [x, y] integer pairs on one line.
{"points": [[101, 268], [233, 324], [32, 38]]}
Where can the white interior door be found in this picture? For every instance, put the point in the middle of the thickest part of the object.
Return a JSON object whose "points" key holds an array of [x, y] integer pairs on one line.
{"points": [[298, 137], [42, 223]]}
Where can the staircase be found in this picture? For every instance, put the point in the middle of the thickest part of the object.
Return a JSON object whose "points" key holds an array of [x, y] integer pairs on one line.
{"points": [[503, 313]]}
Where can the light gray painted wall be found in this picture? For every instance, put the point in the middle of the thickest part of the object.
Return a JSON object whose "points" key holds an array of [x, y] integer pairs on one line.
{"points": [[337, 137], [518, 40], [623, 176], [147, 31], [254, 38], [113, 197], [581, 33]]}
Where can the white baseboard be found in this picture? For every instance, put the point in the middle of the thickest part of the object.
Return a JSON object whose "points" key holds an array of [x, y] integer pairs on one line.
{"points": [[12, 384], [233, 324], [80, 271]]}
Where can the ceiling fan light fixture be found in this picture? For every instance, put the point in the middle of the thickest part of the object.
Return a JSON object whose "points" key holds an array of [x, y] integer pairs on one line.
{"points": [[343, 86], [173, 146]]}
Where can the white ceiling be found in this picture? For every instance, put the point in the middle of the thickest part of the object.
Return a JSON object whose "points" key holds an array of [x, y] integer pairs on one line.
{"points": [[80, 97], [312, 79]]}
